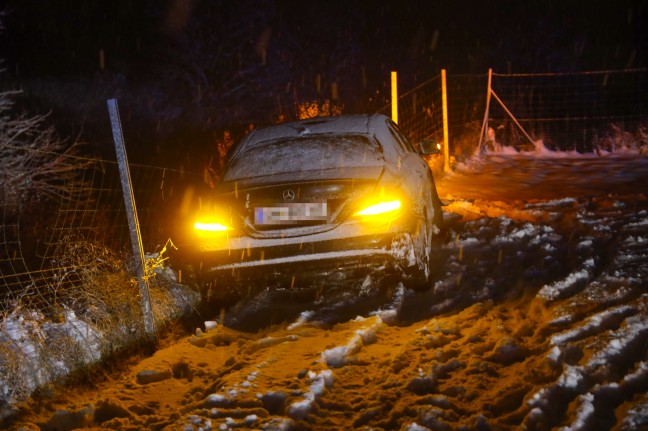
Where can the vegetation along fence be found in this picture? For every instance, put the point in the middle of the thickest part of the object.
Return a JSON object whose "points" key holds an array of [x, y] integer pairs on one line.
{"points": [[62, 252]]}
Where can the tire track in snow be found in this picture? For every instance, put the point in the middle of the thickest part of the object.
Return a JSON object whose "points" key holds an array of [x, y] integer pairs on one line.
{"points": [[602, 355]]}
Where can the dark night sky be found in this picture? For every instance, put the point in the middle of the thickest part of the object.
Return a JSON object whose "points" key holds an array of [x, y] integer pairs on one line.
{"points": [[198, 65], [59, 37]]}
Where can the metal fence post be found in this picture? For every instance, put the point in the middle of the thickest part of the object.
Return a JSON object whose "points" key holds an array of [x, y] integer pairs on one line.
{"points": [[133, 223], [484, 129]]}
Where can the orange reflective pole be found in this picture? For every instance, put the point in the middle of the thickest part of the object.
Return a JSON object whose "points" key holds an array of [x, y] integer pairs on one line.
{"points": [[444, 103], [394, 96]]}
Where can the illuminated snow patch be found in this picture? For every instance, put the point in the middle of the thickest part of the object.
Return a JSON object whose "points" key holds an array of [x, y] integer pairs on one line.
{"points": [[319, 382], [620, 341], [593, 323], [636, 417], [585, 244], [559, 288], [638, 375], [571, 377], [304, 317], [339, 356], [564, 202], [415, 427], [584, 413], [642, 223]]}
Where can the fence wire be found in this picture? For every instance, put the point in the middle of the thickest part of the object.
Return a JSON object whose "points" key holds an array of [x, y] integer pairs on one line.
{"points": [[583, 111], [45, 244], [570, 111]]}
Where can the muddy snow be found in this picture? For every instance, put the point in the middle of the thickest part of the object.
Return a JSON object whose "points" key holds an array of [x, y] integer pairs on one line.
{"points": [[537, 319]]}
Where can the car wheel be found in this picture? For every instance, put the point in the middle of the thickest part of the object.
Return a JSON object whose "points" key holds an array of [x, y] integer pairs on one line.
{"points": [[417, 274]]}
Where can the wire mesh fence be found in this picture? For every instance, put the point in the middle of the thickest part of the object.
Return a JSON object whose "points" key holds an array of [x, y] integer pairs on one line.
{"points": [[46, 245], [570, 111], [583, 111]]}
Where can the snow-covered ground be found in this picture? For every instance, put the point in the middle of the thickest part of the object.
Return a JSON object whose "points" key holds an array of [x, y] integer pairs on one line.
{"points": [[537, 319]]}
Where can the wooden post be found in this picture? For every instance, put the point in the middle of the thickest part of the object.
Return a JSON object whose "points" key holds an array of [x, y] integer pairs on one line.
{"points": [[444, 103], [394, 96]]}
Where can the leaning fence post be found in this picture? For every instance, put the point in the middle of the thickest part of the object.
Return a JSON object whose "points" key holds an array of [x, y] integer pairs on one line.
{"points": [[133, 223]]}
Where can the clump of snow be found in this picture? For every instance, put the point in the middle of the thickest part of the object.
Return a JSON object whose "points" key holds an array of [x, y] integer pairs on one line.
{"points": [[636, 417], [40, 351], [556, 290], [415, 427], [634, 329], [319, 382], [594, 322], [217, 400], [571, 377], [340, 355], [584, 413], [563, 202], [304, 317]]}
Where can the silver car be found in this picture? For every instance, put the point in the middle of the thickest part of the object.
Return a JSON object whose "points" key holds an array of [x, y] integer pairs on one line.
{"points": [[303, 201]]}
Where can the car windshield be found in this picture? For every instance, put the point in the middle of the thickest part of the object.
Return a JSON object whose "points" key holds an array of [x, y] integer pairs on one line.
{"points": [[305, 153]]}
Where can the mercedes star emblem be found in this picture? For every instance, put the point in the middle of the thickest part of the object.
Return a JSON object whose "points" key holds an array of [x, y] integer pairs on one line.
{"points": [[288, 195]]}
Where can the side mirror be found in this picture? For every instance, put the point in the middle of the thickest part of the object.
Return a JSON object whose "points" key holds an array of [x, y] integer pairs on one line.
{"points": [[430, 146]]}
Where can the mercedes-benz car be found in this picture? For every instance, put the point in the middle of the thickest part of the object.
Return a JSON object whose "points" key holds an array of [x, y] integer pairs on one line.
{"points": [[304, 201]]}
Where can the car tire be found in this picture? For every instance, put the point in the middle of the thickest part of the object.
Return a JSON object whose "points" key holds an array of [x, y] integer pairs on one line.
{"points": [[417, 276]]}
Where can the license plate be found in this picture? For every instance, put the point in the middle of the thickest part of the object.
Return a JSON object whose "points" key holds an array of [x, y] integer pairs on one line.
{"points": [[291, 213]]}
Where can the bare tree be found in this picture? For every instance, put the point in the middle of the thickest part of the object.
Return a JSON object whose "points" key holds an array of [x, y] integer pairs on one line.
{"points": [[34, 163]]}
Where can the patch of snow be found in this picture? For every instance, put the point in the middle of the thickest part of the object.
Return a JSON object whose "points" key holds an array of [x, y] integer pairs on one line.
{"points": [[571, 377], [585, 244], [634, 328], [303, 317], [638, 375], [554, 354], [319, 382], [636, 417], [584, 413], [594, 322], [415, 427], [338, 356], [553, 291], [85, 335], [564, 202]]}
